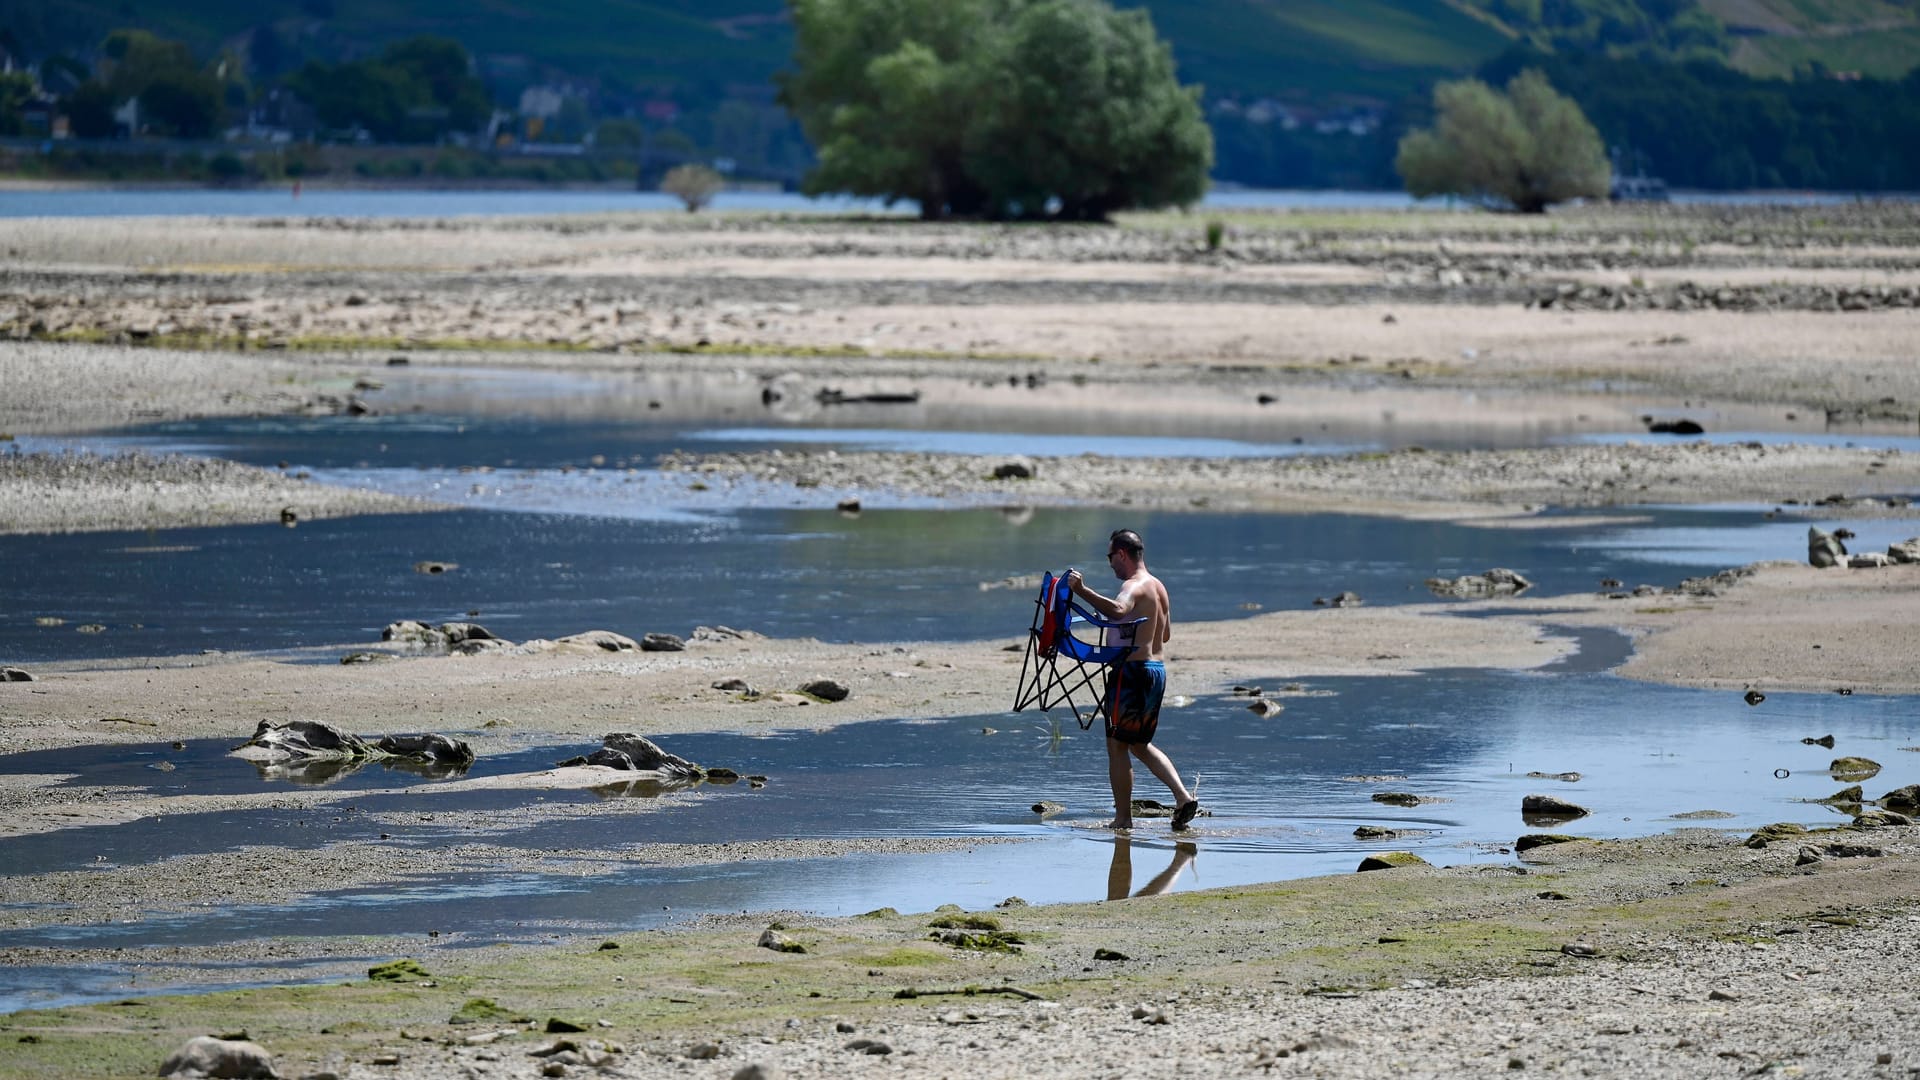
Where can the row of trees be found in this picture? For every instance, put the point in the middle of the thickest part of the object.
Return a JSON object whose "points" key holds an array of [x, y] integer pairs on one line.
{"points": [[413, 91]]}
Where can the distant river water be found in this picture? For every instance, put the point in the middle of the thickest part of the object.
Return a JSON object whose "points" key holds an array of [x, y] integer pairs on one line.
{"points": [[420, 203]]}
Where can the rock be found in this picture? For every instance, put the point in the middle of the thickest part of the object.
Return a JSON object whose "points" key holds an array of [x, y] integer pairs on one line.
{"points": [[1567, 777], [434, 567], [1753, 697], [1579, 948], [1539, 840], [207, 1056], [434, 749], [1854, 768], [1110, 954], [1881, 819], [1779, 830], [647, 756], [1824, 740], [1018, 469], [709, 635], [1807, 857], [1397, 798], [1868, 560], [1904, 799], [754, 1070], [1342, 600], [779, 942], [870, 1046], [1907, 551], [848, 506], [366, 657], [1391, 860], [302, 739], [14, 674], [1265, 707], [826, 689], [736, 686], [605, 640], [458, 632], [1548, 806], [704, 1051], [476, 646], [412, 632], [1855, 851], [1045, 808], [1375, 832], [662, 643], [1675, 427], [561, 1026], [1496, 582], [405, 969], [1852, 794], [1823, 548]]}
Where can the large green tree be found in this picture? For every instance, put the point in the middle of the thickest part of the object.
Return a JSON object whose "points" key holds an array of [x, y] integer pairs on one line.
{"points": [[414, 91], [1526, 149], [997, 108]]}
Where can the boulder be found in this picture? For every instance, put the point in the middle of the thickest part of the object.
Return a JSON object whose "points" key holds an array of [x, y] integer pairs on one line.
{"points": [[1495, 582], [1549, 806], [648, 757], [1539, 840], [457, 632], [1265, 707], [1397, 798], [14, 674], [1881, 819], [1823, 548], [1392, 860], [826, 690], [413, 632], [736, 686], [709, 635], [436, 749], [1854, 768], [278, 740], [1017, 469], [1868, 560], [601, 639], [1780, 830], [1905, 800], [1907, 551], [662, 643], [476, 646], [207, 1056]]}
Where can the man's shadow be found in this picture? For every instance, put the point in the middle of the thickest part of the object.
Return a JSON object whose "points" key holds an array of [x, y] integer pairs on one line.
{"points": [[1120, 874]]}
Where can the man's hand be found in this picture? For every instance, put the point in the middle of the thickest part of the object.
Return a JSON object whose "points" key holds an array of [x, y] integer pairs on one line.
{"points": [[1073, 582]]}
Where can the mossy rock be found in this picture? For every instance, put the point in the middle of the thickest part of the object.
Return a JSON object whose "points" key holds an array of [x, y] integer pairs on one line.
{"points": [[965, 922], [1779, 830], [483, 1011], [401, 970], [1905, 800], [1392, 860], [982, 941], [880, 913], [1854, 768], [1852, 794], [1541, 839]]}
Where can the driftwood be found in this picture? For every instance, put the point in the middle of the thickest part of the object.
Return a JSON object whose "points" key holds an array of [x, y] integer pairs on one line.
{"points": [[970, 991]]}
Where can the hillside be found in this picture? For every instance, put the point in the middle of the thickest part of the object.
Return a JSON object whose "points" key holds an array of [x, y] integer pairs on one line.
{"points": [[697, 51]]}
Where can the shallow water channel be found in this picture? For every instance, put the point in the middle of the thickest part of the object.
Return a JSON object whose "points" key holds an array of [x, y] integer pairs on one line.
{"points": [[560, 548]]}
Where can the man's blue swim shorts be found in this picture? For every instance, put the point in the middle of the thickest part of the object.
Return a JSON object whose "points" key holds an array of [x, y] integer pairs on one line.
{"points": [[1132, 704]]}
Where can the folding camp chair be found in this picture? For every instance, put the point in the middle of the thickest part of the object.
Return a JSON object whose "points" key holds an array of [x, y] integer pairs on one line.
{"points": [[1068, 648]]}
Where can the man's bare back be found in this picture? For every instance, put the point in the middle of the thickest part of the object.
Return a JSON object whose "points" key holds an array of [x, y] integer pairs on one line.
{"points": [[1143, 596]]}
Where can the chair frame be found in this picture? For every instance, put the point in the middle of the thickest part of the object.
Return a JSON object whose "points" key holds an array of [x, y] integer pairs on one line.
{"points": [[1058, 665]]}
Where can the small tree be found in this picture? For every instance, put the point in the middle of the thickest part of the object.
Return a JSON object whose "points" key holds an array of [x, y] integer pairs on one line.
{"points": [[694, 185], [1527, 148]]}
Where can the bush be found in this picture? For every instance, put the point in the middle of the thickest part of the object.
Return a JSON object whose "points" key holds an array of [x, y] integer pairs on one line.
{"points": [[226, 167], [694, 185]]}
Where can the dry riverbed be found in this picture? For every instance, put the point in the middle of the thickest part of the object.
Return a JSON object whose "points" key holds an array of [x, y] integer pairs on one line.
{"points": [[1685, 955]]}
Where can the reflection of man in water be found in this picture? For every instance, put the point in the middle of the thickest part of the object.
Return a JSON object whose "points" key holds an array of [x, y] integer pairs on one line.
{"points": [[1135, 683], [1120, 874]]}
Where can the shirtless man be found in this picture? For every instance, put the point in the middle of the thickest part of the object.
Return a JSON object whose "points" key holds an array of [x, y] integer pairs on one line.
{"points": [[1135, 685]]}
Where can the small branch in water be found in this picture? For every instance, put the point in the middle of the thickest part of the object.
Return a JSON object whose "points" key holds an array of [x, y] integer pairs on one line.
{"points": [[970, 991]]}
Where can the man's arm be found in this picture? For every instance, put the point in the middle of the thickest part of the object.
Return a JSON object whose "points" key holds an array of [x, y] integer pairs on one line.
{"points": [[1117, 608]]}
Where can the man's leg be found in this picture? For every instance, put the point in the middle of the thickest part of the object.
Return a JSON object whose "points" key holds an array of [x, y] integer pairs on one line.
{"points": [[1162, 767], [1120, 776]]}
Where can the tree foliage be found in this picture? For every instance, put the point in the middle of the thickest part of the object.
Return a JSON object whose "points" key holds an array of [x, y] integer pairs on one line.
{"points": [[414, 91], [996, 108], [1526, 149]]}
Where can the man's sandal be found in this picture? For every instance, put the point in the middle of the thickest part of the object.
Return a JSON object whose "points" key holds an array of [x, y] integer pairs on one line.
{"points": [[1185, 814]]}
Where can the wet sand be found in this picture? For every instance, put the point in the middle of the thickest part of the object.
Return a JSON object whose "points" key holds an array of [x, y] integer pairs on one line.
{"points": [[1804, 318]]}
